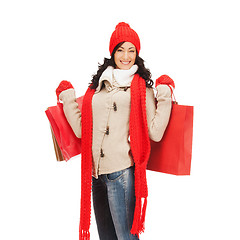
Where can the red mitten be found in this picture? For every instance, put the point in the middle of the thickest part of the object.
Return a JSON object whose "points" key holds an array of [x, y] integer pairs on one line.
{"points": [[165, 79], [64, 85]]}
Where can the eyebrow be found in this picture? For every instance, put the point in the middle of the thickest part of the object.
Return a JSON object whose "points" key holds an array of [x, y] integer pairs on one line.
{"points": [[128, 48]]}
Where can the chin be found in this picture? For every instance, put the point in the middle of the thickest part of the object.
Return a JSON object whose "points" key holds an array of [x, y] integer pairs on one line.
{"points": [[125, 68]]}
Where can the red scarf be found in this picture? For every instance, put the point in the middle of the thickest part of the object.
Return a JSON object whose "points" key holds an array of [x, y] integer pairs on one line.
{"points": [[140, 147]]}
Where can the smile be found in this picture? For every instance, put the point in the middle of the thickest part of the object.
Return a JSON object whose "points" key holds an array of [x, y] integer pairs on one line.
{"points": [[125, 62]]}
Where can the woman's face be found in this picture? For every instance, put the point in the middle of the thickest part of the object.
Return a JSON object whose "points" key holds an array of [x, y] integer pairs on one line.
{"points": [[125, 56]]}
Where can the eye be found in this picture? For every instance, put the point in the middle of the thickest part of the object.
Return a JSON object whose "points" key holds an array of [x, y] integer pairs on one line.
{"points": [[119, 50]]}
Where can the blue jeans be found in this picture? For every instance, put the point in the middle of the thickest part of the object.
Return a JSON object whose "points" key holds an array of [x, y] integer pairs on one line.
{"points": [[114, 204]]}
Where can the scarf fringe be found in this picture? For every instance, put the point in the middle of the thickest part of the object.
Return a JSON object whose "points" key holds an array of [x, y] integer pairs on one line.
{"points": [[84, 235], [138, 226]]}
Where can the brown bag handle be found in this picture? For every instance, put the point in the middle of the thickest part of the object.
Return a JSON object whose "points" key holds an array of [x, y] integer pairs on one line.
{"points": [[57, 149]]}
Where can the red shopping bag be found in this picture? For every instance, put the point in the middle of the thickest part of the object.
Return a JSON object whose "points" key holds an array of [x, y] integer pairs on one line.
{"points": [[171, 155], [174, 152], [66, 144]]}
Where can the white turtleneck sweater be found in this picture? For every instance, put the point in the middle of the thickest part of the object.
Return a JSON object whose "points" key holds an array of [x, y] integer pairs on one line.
{"points": [[117, 77], [111, 112]]}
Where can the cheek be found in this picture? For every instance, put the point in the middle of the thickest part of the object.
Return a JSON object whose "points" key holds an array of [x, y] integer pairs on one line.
{"points": [[134, 59], [116, 57]]}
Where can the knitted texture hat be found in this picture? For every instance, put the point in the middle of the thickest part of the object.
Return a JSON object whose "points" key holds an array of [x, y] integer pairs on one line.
{"points": [[123, 33]]}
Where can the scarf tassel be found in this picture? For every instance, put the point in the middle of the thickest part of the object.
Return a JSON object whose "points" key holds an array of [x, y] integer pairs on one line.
{"points": [[138, 225], [84, 235]]}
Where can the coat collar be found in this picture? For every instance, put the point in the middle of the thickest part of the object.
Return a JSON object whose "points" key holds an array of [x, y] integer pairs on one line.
{"points": [[106, 78]]}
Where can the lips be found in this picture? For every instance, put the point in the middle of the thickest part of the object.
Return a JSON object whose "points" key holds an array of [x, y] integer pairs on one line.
{"points": [[125, 62]]}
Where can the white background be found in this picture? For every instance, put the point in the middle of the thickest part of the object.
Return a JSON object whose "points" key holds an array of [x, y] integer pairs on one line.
{"points": [[197, 43]]}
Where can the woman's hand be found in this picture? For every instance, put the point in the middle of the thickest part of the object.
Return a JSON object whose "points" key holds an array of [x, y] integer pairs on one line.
{"points": [[64, 85], [165, 79]]}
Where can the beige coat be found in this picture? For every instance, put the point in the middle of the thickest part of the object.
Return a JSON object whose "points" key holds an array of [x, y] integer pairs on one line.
{"points": [[111, 112]]}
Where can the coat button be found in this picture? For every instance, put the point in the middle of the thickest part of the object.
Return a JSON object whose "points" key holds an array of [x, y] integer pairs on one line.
{"points": [[107, 130], [115, 106], [102, 154]]}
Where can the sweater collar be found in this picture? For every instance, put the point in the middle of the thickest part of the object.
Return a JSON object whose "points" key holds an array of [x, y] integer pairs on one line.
{"points": [[113, 78]]}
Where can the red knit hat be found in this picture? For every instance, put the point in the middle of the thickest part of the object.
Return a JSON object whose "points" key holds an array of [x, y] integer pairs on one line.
{"points": [[123, 33]]}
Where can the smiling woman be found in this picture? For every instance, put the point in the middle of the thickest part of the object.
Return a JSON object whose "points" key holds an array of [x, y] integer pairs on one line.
{"points": [[118, 115], [125, 56]]}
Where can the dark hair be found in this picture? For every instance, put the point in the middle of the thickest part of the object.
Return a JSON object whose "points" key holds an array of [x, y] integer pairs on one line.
{"points": [[142, 71]]}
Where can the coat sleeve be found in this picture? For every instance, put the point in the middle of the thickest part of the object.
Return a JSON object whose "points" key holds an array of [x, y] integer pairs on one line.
{"points": [[158, 114], [71, 110]]}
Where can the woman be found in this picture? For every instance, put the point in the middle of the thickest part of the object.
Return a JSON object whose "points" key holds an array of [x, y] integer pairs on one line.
{"points": [[118, 116]]}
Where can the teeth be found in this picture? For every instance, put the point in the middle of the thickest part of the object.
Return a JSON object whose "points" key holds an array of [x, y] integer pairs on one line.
{"points": [[125, 63]]}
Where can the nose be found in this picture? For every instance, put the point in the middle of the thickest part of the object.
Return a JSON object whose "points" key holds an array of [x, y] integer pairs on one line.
{"points": [[125, 56]]}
